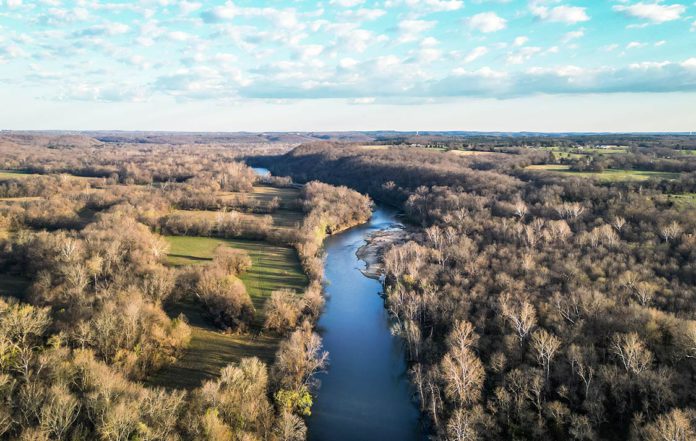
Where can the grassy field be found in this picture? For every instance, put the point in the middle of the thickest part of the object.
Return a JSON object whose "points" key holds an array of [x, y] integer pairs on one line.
{"points": [[470, 152], [13, 174], [281, 218], [210, 351], [606, 175], [683, 201], [273, 267], [264, 193]]}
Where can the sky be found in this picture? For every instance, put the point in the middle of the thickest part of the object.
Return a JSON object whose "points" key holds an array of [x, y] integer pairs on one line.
{"points": [[300, 65]]}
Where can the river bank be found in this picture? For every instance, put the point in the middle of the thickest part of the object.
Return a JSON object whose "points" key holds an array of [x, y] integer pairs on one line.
{"points": [[376, 244]]}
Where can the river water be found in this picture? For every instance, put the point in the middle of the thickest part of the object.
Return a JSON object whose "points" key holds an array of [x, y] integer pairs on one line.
{"points": [[364, 394]]}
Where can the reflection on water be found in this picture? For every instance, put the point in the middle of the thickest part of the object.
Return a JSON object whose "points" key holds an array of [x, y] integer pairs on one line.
{"points": [[365, 394]]}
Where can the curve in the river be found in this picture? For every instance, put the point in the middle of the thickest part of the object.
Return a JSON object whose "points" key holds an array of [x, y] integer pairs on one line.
{"points": [[365, 394]]}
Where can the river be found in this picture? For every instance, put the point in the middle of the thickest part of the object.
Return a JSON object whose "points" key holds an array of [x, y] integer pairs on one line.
{"points": [[364, 394]]}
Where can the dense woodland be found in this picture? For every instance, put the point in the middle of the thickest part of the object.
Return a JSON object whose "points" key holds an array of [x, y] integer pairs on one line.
{"points": [[536, 305], [81, 225]]}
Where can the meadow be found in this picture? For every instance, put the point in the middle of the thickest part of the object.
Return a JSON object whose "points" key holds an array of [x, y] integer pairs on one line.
{"points": [[608, 175], [273, 267]]}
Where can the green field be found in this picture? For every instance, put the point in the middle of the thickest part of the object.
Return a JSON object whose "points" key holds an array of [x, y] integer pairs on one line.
{"points": [[265, 193], [273, 267], [13, 174], [281, 218], [683, 201], [610, 175]]}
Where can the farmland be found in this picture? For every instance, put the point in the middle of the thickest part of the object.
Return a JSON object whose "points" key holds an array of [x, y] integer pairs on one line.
{"points": [[608, 175]]}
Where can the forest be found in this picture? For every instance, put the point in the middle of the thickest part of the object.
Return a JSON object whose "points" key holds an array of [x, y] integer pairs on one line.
{"points": [[157, 288], [536, 304], [96, 306]]}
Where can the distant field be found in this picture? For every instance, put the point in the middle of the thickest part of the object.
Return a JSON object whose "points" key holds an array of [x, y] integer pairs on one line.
{"points": [[21, 199], [265, 193], [13, 174], [607, 175], [273, 267], [470, 152], [281, 218], [683, 201], [374, 147], [579, 152]]}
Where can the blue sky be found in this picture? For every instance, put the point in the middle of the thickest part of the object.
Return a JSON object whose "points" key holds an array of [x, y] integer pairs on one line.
{"points": [[551, 65]]}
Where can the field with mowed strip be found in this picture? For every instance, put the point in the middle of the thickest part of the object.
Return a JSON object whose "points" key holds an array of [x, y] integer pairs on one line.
{"points": [[612, 175], [273, 267]]}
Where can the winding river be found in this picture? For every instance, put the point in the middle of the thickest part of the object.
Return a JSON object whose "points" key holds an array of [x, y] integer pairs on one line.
{"points": [[365, 394]]}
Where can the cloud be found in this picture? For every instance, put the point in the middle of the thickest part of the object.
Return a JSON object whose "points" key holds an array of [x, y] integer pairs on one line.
{"points": [[573, 35], [635, 45], [187, 7], [486, 22], [347, 3], [220, 13], [106, 29], [520, 41], [410, 30], [560, 14], [523, 54], [363, 14], [653, 12], [475, 54]]}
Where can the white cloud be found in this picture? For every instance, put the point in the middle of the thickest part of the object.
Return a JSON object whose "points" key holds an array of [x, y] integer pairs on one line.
{"points": [[410, 30], [523, 54], [635, 45], [660, 43], [486, 22], [653, 12], [475, 54], [187, 7], [560, 14], [444, 5], [179, 36], [14, 3], [347, 3], [520, 41], [573, 35], [363, 14]]}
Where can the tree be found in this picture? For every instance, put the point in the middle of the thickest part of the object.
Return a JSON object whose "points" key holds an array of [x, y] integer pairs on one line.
{"points": [[545, 346], [463, 375], [520, 314], [677, 425], [631, 352]]}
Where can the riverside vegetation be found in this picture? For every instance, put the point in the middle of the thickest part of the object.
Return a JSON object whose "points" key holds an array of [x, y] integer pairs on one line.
{"points": [[112, 281]]}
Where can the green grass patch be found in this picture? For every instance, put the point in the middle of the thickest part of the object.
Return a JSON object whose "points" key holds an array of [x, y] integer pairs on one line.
{"points": [[281, 218], [288, 196], [273, 267], [609, 175], [209, 351], [683, 201], [14, 174]]}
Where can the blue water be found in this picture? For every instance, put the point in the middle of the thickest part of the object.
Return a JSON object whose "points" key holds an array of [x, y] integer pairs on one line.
{"points": [[365, 394]]}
